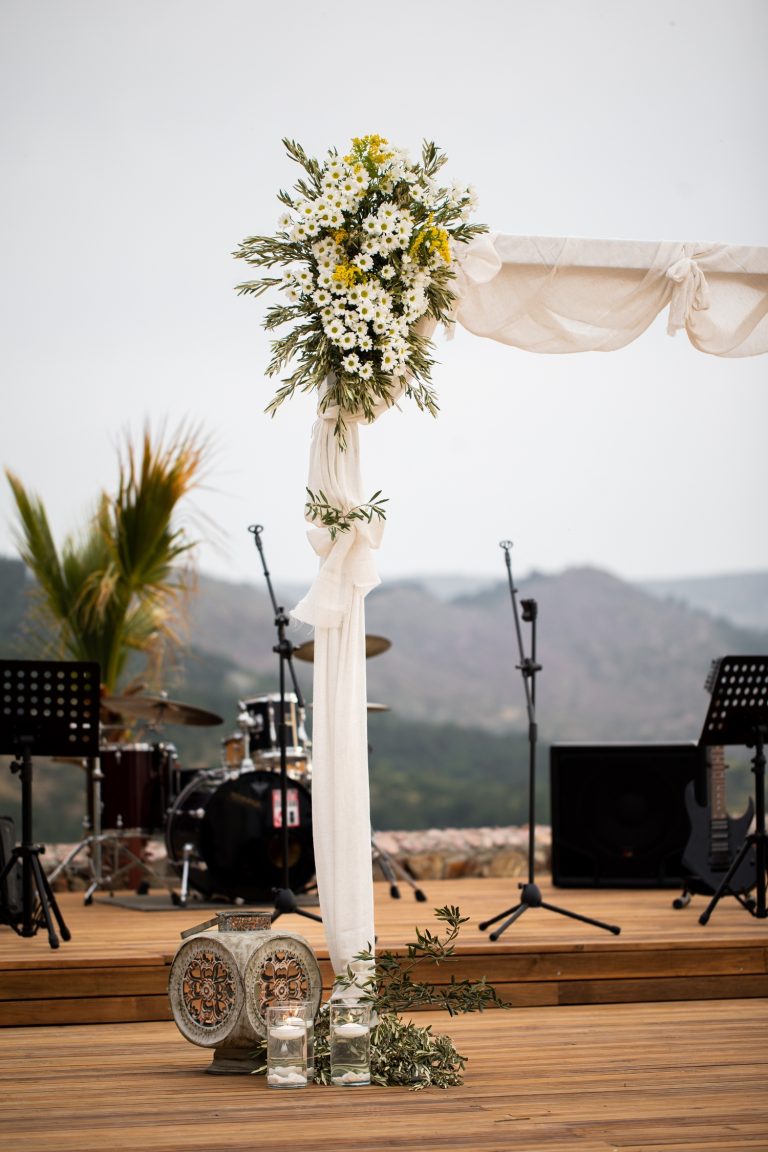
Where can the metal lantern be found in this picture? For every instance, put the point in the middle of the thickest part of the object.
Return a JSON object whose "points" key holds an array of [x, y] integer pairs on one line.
{"points": [[224, 975]]}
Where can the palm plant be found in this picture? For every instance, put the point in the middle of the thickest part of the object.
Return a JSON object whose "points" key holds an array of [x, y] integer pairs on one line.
{"points": [[119, 587]]}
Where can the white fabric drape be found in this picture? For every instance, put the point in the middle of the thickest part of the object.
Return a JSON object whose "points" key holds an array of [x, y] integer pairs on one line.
{"points": [[542, 295], [335, 606], [547, 294]]}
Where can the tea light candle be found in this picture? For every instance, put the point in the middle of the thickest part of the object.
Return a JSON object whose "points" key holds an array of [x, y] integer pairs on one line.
{"points": [[288, 1031], [348, 1031]]}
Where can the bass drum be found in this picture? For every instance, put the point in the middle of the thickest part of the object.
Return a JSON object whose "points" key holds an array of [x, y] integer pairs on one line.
{"points": [[230, 830]]}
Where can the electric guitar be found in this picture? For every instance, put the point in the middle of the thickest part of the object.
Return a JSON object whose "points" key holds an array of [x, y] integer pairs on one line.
{"points": [[715, 836]]}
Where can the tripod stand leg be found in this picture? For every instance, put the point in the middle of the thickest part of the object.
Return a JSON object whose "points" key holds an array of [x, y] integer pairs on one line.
{"points": [[584, 919], [530, 897], [64, 864], [48, 903], [723, 889], [391, 869], [385, 863], [495, 919], [515, 914]]}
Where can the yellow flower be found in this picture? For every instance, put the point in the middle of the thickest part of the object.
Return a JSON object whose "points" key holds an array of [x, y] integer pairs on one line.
{"points": [[434, 239], [346, 274], [439, 243], [371, 148]]}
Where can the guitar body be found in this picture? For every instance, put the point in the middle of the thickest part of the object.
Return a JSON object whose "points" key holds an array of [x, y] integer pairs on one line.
{"points": [[712, 846]]}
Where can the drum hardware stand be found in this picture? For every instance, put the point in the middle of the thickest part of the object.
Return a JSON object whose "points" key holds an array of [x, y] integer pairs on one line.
{"points": [[180, 898], [530, 894], [53, 709], [96, 841], [246, 724], [391, 870], [284, 898], [738, 714]]}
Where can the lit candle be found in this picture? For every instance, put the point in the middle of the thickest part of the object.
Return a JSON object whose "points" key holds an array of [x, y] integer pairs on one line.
{"points": [[347, 1031], [287, 1031]]}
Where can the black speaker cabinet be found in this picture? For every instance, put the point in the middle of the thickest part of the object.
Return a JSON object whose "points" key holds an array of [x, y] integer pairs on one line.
{"points": [[618, 813]]}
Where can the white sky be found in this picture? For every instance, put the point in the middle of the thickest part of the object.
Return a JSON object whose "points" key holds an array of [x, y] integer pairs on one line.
{"points": [[141, 141]]}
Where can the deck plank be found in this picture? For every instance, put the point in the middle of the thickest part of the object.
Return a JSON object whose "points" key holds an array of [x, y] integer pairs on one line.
{"points": [[115, 967], [682, 1077]]}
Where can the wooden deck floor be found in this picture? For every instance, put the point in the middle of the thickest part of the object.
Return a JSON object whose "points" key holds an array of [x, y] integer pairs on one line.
{"points": [[115, 967], [679, 1077], [649, 1041]]}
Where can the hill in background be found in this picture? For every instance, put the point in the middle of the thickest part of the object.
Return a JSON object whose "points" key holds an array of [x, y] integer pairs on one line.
{"points": [[619, 662]]}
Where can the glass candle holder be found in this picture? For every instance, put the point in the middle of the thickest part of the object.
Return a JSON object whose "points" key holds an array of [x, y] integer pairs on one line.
{"points": [[287, 1045], [350, 1043]]}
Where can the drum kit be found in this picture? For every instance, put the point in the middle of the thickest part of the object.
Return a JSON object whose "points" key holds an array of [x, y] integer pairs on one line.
{"points": [[222, 825]]}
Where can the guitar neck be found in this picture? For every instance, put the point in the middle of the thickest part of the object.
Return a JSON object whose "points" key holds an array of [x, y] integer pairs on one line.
{"points": [[718, 812], [716, 767]]}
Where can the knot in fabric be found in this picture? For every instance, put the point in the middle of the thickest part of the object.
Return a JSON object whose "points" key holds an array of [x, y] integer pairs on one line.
{"points": [[689, 292]]}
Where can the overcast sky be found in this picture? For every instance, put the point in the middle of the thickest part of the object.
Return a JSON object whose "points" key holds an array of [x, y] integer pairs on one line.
{"points": [[141, 141]]}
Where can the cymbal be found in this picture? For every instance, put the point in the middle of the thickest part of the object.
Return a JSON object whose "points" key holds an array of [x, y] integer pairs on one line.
{"points": [[159, 710], [371, 707], [374, 646]]}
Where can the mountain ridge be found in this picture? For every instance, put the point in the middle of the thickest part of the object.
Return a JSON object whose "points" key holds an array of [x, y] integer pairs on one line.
{"points": [[617, 663]]}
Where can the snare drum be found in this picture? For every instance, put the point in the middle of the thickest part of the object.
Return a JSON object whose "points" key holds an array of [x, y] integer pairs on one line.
{"points": [[298, 766], [136, 786], [231, 831]]}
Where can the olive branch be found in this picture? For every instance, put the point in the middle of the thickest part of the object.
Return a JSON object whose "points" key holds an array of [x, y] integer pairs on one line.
{"points": [[401, 1051], [338, 520]]}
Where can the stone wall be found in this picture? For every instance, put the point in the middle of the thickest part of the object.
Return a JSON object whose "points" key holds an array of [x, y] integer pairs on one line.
{"points": [[430, 854], [450, 853]]}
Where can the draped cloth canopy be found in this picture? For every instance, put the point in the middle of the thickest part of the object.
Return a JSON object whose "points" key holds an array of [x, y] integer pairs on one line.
{"points": [[538, 294], [569, 295]]}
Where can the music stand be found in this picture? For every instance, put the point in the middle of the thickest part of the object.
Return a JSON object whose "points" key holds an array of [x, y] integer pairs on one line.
{"points": [[53, 710], [738, 714]]}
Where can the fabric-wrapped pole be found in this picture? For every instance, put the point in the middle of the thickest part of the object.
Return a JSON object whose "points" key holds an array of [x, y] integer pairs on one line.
{"points": [[335, 607]]}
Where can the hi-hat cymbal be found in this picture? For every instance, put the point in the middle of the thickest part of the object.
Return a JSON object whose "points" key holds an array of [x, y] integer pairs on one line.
{"points": [[371, 707], [159, 710], [374, 646]]}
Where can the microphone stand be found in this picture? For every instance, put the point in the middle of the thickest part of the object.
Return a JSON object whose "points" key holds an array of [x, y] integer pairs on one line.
{"points": [[530, 895], [284, 898]]}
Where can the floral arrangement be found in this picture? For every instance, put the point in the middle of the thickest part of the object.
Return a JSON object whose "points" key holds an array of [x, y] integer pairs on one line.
{"points": [[367, 249]]}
